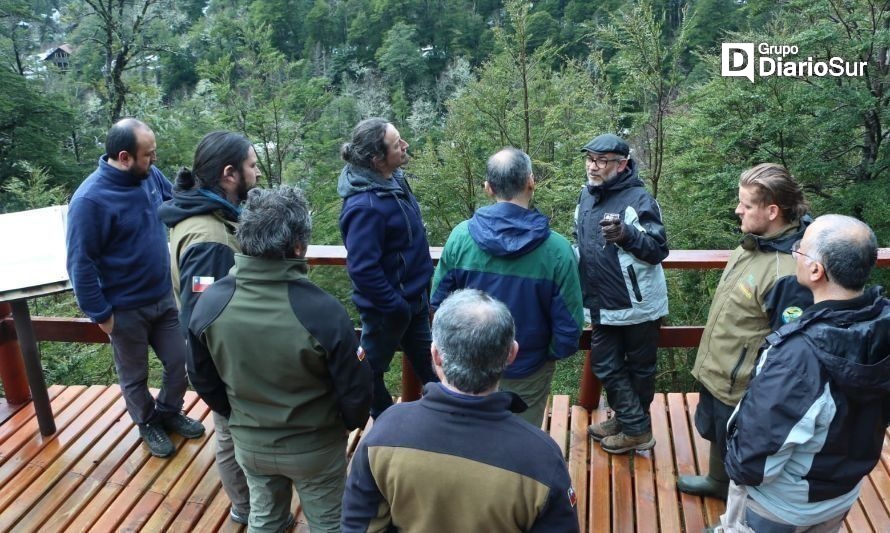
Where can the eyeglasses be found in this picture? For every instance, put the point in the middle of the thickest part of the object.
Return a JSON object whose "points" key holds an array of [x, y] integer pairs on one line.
{"points": [[795, 249], [600, 162]]}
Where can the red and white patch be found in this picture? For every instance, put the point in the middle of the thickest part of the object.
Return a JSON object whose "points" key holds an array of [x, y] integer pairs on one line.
{"points": [[360, 354], [573, 499], [200, 283]]}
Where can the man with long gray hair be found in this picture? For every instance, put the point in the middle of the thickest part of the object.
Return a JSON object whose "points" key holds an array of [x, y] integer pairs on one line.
{"points": [[508, 250], [458, 460], [278, 357]]}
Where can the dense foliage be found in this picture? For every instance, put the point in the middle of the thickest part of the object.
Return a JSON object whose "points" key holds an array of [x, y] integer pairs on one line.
{"points": [[460, 79]]}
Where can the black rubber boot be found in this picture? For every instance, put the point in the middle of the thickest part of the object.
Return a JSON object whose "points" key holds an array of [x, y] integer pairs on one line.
{"points": [[714, 485]]}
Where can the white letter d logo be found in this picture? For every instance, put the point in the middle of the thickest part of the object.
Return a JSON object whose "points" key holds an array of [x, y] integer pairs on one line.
{"points": [[737, 59]]}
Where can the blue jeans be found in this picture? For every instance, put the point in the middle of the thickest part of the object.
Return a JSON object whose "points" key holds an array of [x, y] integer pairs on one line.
{"points": [[383, 334]]}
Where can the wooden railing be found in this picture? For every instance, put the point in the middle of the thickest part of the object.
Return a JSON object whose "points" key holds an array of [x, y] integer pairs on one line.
{"points": [[83, 330]]}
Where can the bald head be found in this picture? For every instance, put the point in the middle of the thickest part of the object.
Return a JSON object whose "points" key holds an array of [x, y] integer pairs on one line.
{"points": [[507, 173], [122, 137], [847, 248]]}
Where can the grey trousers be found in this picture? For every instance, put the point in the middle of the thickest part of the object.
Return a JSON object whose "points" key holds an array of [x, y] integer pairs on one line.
{"points": [[533, 390], [155, 325], [231, 476], [319, 477]]}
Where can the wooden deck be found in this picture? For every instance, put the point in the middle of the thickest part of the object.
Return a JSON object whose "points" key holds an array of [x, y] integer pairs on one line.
{"points": [[94, 474]]}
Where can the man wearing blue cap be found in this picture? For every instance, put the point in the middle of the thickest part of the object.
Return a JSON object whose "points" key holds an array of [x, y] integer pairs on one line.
{"points": [[621, 243]]}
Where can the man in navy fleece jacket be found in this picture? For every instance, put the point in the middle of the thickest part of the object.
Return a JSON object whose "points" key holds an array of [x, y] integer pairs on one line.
{"points": [[119, 264]]}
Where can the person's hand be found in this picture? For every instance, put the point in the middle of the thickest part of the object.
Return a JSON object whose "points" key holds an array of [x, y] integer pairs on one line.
{"points": [[613, 232], [108, 325]]}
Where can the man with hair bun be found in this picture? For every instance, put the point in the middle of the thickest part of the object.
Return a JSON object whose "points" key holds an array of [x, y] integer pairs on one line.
{"points": [[757, 294], [277, 356], [457, 459], [388, 256], [203, 217], [813, 422]]}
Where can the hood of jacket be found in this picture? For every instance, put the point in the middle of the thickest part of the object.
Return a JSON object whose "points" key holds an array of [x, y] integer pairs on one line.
{"points": [[504, 229], [354, 179], [851, 341], [192, 202], [778, 242]]}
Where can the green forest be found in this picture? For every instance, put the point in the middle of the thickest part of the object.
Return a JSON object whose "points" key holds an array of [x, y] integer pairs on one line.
{"points": [[460, 79]]}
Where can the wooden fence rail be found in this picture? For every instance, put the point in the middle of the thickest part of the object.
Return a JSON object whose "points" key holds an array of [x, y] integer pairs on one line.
{"points": [[83, 330]]}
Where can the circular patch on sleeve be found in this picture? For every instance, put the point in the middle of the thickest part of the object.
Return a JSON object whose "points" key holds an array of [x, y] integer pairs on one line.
{"points": [[790, 314]]}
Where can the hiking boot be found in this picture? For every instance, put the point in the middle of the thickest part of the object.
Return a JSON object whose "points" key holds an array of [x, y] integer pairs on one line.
{"points": [[703, 486], [185, 426], [242, 518], [604, 429], [154, 436], [622, 442]]}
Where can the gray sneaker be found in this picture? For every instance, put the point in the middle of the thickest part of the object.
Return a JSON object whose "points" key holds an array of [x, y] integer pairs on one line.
{"points": [[154, 436], [621, 442], [185, 426], [604, 429]]}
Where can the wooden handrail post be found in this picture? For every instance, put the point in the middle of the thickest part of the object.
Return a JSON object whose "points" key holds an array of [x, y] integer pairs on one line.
{"points": [[590, 390], [411, 386], [12, 365]]}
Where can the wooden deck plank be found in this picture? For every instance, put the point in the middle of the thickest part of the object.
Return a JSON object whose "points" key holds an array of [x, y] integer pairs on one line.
{"points": [[14, 416], [58, 461], [559, 422], [200, 499], [881, 480], [599, 516], [856, 520], [216, 516], [137, 497], [18, 472], [622, 493], [180, 493], [57, 500], [645, 508], [89, 499], [714, 507], [578, 460], [95, 474], [873, 507], [693, 515], [665, 473], [28, 435]]}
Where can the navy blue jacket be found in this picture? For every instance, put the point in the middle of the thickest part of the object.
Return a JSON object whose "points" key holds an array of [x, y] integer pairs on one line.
{"points": [[812, 424], [511, 253], [623, 284], [388, 256], [117, 246], [452, 462]]}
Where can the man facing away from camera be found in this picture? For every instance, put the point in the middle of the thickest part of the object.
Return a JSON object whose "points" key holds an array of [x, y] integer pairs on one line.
{"points": [[509, 251], [457, 459], [277, 356]]}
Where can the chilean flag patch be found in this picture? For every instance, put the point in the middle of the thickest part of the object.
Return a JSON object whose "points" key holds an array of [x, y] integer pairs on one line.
{"points": [[200, 283], [572, 498]]}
